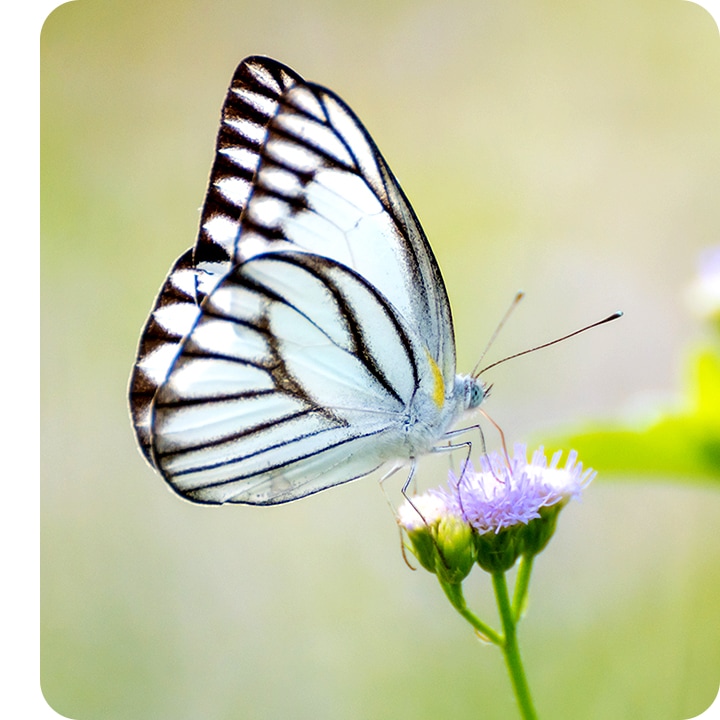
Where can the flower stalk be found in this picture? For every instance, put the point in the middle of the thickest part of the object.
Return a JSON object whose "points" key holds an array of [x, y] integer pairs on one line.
{"points": [[511, 649], [456, 597], [503, 514], [522, 582]]}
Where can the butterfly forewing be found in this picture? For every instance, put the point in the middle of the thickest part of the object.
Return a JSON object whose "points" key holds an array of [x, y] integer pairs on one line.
{"points": [[252, 100], [322, 187]]}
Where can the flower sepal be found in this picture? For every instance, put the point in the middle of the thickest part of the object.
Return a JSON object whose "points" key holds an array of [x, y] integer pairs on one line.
{"points": [[498, 551], [445, 548], [537, 533]]}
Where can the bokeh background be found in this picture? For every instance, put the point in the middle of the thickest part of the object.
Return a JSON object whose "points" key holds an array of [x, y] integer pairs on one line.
{"points": [[570, 149]]}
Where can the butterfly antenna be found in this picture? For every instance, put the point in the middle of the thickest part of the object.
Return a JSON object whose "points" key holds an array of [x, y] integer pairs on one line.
{"points": [[608, 319], [518, 297]]}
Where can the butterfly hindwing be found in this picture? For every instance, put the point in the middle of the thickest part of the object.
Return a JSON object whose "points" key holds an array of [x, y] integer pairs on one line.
{"points": [[173, 316], [280, 385]]}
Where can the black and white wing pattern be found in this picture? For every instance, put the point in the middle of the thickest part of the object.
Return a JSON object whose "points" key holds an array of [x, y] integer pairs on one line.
{"points": [[291, 381], [307, 338], [197, 271]]}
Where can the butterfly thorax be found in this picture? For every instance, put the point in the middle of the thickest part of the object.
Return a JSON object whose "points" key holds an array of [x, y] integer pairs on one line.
{"points": [[427, 421]]}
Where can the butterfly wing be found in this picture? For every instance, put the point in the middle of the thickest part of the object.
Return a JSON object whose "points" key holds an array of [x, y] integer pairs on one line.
{"points": [[173, 315], [295, 378], [253, 100], [294, 172]]}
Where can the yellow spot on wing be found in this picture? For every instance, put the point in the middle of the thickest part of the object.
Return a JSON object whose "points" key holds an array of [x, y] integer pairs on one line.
{"points": [[438, 394]]}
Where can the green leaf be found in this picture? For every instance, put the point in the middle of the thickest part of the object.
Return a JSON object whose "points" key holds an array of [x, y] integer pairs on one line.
{"points": [[683, 444]]}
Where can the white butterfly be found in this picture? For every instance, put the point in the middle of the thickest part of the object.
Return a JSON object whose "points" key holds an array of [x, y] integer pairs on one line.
{"points": [[307, 338]]}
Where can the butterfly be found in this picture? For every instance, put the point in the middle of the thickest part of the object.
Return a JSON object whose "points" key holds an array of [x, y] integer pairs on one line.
{"points": [[306, 339]]}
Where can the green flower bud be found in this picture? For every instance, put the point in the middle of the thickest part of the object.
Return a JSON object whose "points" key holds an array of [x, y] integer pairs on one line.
{"points": [[419, 518], [456, 549]]}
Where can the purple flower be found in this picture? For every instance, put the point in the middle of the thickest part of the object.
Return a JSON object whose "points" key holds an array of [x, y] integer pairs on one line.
{"points": [[491, 516], [506, 492]]}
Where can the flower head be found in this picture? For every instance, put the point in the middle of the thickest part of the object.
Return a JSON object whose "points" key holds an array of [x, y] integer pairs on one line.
{"points": [[424, 510], [512, 491], [512, 504], [439, 537], [506, 508]]}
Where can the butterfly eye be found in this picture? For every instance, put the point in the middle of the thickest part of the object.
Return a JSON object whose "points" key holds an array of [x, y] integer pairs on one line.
{"points": [[477, 393]]}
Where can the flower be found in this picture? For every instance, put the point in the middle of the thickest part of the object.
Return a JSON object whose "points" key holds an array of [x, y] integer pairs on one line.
{"points": [[424, 510], [512, 504], [512, 491], [439, 537], [507, 508]]}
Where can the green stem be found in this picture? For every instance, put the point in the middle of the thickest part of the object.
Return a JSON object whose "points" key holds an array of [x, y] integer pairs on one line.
{"points": [[455, 596], [521, 586], [511, 649]]}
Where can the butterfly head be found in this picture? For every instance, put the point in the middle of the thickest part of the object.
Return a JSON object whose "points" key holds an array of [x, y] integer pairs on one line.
{"points": [[472, 390]]}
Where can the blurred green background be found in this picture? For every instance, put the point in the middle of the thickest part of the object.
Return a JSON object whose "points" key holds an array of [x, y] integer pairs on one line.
{"points": [[570, 149]]}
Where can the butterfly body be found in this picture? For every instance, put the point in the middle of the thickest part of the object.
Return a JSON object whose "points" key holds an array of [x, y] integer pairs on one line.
{"points": [[306, 339]]}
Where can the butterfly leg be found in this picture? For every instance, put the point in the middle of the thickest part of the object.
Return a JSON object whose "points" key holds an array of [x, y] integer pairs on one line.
{"points": [[455, 433], [381, 482], [469, 428], [451, 447], [406, 485], [394, 511], [410, 478]]}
